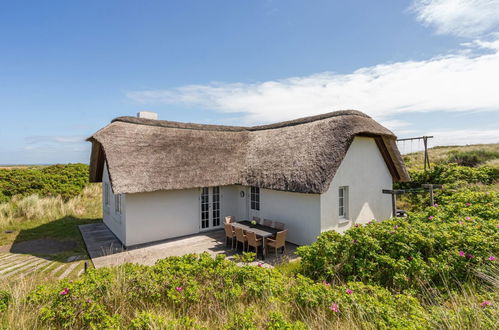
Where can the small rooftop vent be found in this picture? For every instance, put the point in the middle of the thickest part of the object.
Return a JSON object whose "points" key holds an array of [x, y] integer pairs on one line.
{"points": [[147, 115]]}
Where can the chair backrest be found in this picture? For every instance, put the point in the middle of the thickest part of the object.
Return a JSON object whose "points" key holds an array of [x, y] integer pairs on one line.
{"points": [[230, 219], [239, 234], [280, 238], [278, 225], [267, 222], [229, 230], [257, 219], [251, 237]]}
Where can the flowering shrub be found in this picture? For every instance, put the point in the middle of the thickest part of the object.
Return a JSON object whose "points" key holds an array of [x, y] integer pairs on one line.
{"points": [[441, 244], [451, 174], [129, 296]]}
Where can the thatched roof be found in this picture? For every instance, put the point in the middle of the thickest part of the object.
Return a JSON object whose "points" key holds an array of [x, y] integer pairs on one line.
{"points": [[300, 155]]}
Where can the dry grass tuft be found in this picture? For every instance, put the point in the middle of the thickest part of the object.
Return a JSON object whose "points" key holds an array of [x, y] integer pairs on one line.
{"points": [[33, 207]]}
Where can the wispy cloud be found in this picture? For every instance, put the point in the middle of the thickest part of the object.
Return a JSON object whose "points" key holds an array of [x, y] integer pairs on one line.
{"points": [[463, 18], [456, 82], [461, 81], [55, 143]]}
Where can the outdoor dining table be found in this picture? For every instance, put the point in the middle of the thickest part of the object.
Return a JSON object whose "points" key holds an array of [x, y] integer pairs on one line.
{"points": [[258, 229]]}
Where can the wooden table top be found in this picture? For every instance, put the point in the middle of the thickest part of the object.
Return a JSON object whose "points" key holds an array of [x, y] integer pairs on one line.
{"points": [[260, 230]]}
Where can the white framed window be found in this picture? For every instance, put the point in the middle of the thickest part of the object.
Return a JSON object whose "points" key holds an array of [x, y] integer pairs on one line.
{"points": [[343, 202], [255, 198], [117, 203], [106, 194]]}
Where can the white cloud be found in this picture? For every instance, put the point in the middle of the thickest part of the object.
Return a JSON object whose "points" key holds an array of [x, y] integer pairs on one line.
{"points": [[465, 136], [464, 18], [451, 138], [457, 82]]}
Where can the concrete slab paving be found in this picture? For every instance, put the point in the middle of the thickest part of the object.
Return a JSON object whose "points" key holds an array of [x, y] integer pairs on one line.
{"points": [[212, 242]]}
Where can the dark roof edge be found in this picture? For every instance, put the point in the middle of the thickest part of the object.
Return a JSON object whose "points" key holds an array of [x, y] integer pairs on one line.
{"points": [[208, 127]]}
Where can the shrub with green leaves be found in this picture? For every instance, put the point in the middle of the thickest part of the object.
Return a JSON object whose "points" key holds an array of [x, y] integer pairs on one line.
{"points": [[441, 246], [451, 175], [57, 180], [194, 291], [4, 300], [471, 158]]}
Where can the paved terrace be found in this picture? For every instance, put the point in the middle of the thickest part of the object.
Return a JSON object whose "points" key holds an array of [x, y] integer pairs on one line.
{"points": [[106, 250]]}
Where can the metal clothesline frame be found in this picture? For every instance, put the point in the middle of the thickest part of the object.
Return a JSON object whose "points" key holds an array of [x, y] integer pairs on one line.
{"points": [[425, 142]]}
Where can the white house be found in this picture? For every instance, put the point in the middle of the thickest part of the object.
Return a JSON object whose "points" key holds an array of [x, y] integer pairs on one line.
{"points": [[164, 179]]}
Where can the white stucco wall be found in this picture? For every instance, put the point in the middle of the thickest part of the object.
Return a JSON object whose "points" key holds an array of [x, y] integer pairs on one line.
{"points": [[299, 212], [232, 202], [114, 221], [365, 173], [160, 215]]}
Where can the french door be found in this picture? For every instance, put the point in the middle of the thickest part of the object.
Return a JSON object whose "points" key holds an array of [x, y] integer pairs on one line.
{"points": [[210, 208], [254, 202]]}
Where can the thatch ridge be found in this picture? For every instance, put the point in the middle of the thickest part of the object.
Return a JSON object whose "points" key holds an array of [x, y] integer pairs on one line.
{"points": [[211, 127], [299, 155]]}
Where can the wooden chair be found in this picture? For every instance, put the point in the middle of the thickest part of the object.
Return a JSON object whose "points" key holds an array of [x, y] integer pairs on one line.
{"points": [[267, 222], [279, 225], [240, 237], [229, 234], [230, 219], [257, 219], [278, 242], [253, 241]]}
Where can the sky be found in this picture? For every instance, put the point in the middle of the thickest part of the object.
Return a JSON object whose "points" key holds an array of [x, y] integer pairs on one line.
{"points": [[420, 67]]}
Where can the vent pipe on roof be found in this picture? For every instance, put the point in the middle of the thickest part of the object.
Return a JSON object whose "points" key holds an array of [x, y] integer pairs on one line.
{"points": [[147, 115]]}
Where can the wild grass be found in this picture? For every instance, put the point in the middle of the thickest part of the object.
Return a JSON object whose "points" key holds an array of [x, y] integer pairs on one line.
{"points": [[275, 308], [34, 217], [445, 154]]}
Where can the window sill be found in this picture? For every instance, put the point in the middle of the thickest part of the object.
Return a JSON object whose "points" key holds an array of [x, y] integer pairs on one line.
{"points": [[343, 221]]}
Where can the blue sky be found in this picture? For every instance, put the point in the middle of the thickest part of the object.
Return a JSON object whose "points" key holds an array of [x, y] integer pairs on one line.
{"points": [[68, 67]]}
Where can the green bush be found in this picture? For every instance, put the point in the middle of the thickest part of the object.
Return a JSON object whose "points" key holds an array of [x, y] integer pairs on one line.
{"points": [[57, 180], [4, 300], [196, 290], [471, 158], [441, 246], [451, 175]]}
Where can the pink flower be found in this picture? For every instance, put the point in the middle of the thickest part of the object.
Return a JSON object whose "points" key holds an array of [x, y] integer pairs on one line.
{"points": [[179, 289], [485, 303], [260, 264], [348, 291], [396, 227], [462, 254], [435, 205], [468, 204], [497, 226], [470, 256], [334, 307], [468, 218], [356, 225], [430, 217], [326, 283], [461, 222], [64, 292], [492, 258]]}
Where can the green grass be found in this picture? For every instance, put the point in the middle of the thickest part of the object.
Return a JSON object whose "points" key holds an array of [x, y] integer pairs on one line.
{"points": [[55, 219], [444, 154]]}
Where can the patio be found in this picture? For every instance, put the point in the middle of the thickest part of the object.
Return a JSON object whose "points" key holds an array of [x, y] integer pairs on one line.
{"points": [[105, 252]]}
